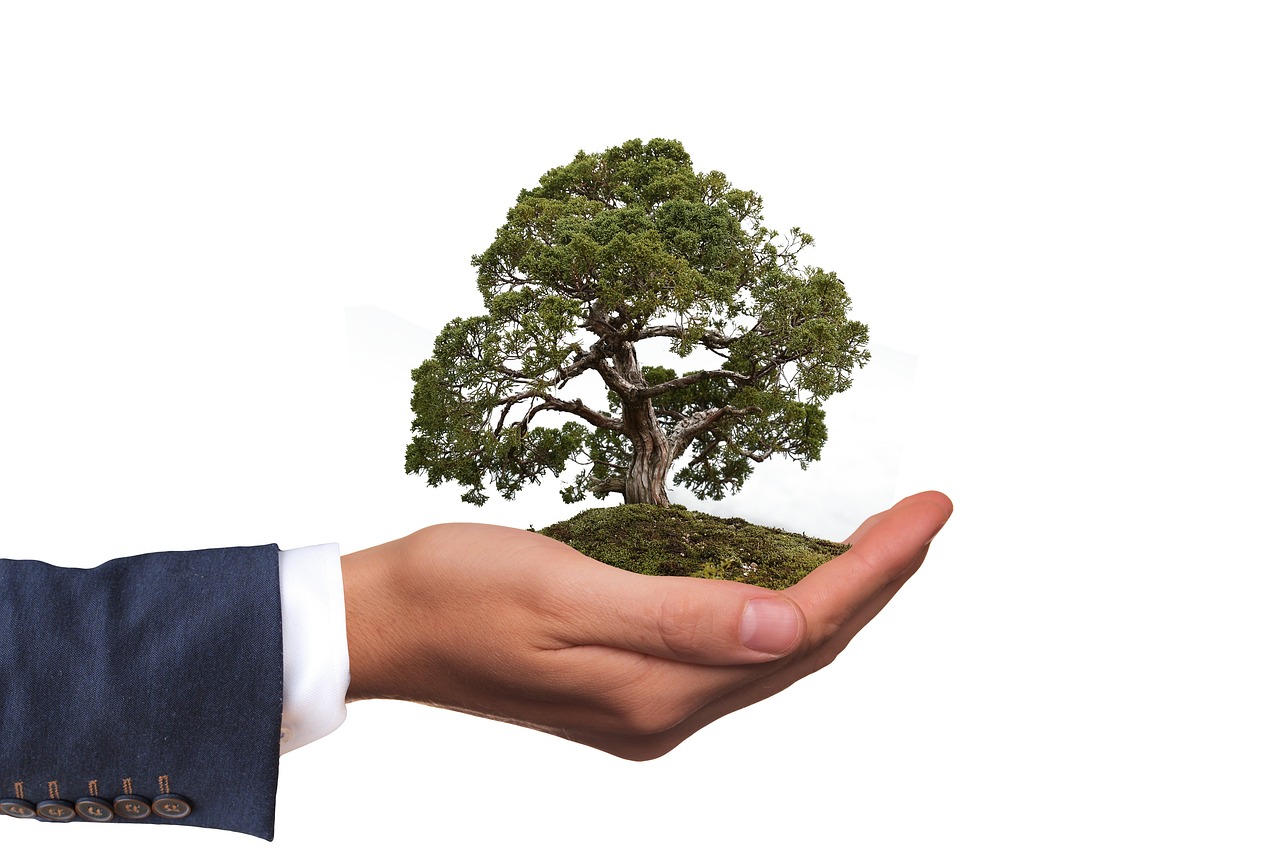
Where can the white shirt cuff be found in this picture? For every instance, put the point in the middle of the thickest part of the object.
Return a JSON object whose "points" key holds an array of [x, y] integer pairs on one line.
{"points": [[317, 669]]}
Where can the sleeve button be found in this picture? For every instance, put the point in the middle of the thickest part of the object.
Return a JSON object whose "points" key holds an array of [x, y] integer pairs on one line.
{"points": [[14, 807], [95, 809], [171, 806], [131, 806], [59, 810]]}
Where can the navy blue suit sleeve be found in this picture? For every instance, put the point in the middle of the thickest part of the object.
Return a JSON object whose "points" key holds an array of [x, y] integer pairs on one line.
{"points": [[157, 677]]}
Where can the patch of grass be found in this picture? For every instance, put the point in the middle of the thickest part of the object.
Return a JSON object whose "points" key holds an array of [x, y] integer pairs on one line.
{"points": [[672, 540]]}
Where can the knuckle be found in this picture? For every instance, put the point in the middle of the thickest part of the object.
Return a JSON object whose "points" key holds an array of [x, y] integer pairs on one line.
{"points": [[684, 628]]}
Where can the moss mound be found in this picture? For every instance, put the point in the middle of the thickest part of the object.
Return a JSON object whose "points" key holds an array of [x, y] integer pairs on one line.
{"points": [[654, 540]]}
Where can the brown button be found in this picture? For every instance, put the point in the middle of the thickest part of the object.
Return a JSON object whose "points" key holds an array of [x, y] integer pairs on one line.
{"points": [[131, 806], [14, 807], [95, 809], [56, 810], [171, 806]]}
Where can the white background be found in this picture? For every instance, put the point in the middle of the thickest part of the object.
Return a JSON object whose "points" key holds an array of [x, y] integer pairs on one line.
{"points": [[228, 231]]}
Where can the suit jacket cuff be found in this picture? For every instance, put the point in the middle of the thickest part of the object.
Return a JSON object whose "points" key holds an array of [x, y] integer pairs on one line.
{"points": [[150, 675]]}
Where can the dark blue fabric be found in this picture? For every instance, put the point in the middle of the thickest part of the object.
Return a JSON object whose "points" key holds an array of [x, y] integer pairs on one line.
{"points": [[161, 665]]}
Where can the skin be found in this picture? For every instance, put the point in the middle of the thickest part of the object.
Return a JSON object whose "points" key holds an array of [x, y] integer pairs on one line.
{"points": [[514, 626]]}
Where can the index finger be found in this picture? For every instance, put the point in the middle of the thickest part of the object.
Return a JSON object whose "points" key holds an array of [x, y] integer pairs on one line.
{"points": [[887, 547]]}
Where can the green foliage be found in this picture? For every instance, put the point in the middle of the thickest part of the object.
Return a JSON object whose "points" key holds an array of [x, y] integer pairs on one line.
{"points": [[609, 251]]}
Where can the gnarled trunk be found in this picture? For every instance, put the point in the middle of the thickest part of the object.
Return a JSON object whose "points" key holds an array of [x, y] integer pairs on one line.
{"points": [[646, 481]]}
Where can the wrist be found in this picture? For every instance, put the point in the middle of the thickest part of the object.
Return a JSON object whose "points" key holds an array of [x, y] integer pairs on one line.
{"points": [[369, 622]]}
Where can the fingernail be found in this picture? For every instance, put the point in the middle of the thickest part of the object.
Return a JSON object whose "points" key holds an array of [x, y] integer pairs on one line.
{"points": [[769, 625]]}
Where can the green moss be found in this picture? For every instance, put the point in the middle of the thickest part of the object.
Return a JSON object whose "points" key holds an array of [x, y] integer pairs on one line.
{"points": [[655, 540]]}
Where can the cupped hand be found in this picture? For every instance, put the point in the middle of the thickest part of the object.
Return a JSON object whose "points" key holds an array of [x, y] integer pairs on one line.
{"points": [[511, 625]]}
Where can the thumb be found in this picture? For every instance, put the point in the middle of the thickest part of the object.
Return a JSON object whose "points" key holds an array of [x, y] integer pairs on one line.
{"points": [[687, 619]]}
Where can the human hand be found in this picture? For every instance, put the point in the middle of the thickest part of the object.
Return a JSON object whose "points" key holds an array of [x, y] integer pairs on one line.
{"points": [[514, 626]]}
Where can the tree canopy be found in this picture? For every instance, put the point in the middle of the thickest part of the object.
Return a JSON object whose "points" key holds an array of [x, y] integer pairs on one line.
{"points": [[612, 259]]}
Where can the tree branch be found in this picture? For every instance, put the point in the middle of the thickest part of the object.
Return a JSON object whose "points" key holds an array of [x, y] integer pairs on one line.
{"points": [[612, 377], [691, 379], [564, 374], [707, 339], [590, 460], [502, 418], [579, 408], [511, 372], [601, 488], [555, 404], [697, 424], [705, 454]]}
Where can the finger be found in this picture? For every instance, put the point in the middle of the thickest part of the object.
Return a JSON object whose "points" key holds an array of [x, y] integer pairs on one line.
{"points": [[693, 620], [870, 522], [882, 551]]}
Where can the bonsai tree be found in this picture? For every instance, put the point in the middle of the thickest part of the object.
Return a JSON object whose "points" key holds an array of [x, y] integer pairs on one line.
{"points": [[609, 261]]}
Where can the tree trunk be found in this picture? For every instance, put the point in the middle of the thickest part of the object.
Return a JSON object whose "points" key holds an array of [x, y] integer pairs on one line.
{"points": [[646, 481]]}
